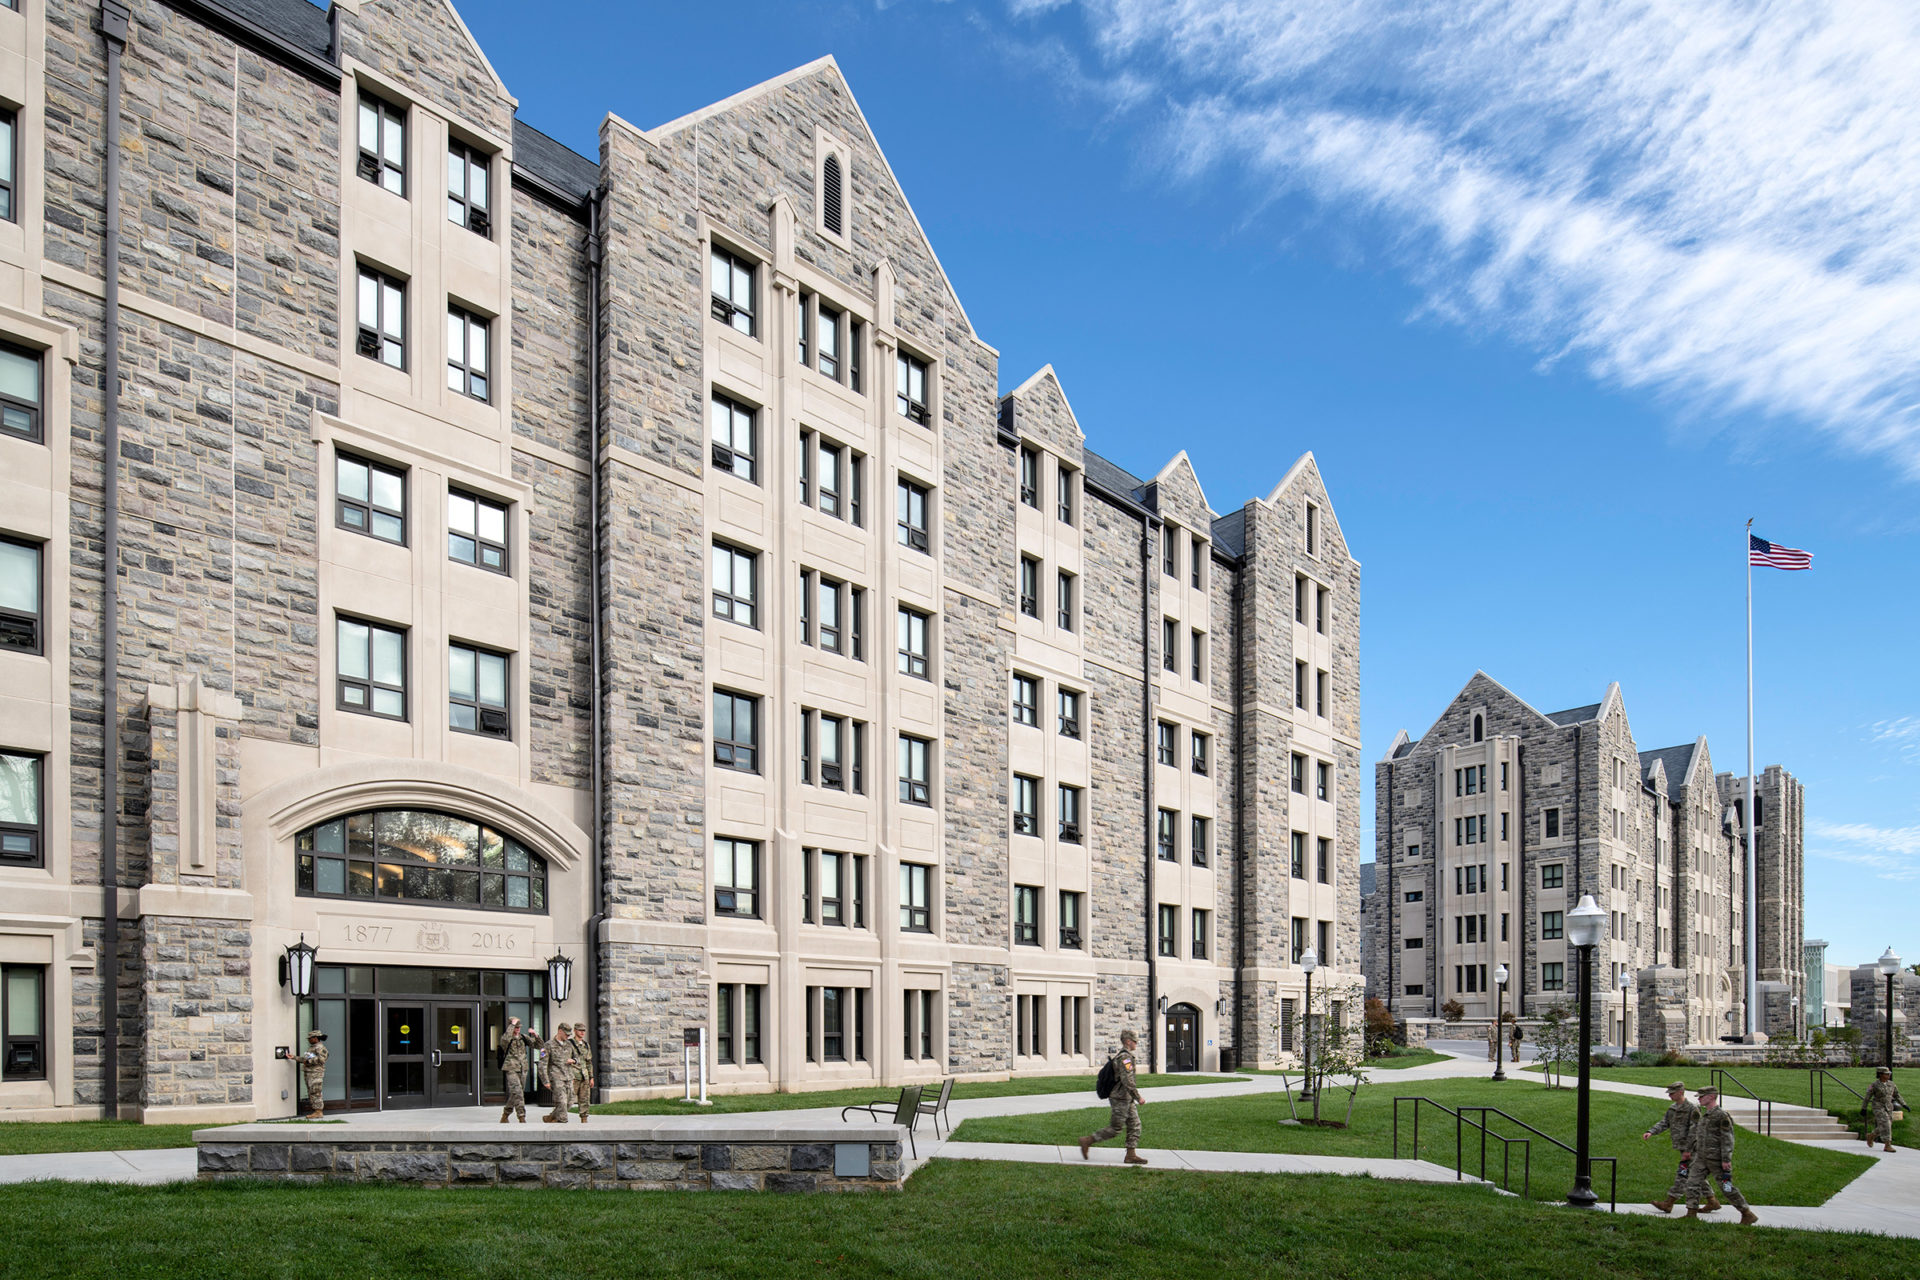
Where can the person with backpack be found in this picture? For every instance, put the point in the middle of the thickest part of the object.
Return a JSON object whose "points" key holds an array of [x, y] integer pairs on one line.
{"points": [[1123, 1096]]}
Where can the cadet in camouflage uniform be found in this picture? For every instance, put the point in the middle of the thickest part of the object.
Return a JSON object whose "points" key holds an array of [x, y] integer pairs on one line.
{"points": [[1125, 1103], [1713, 1160], [582, 1071], [1882, 1101], [313, 1066], [1493, 1041], [516, 1056], [558, 1073], [1677, 1124]]}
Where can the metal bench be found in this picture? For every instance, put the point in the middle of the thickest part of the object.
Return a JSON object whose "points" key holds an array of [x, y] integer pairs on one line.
{"points": [[937, 1107], [906, 1112]]}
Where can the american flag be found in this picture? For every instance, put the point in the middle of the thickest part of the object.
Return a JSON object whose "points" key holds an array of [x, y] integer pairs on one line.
{"points": [[1772, 555]]}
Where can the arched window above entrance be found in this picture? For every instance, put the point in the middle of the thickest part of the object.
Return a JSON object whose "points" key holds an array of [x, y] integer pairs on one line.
{"points": [[417, 855]]}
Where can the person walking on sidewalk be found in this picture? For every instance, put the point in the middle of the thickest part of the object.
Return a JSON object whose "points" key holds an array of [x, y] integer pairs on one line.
{"points": [[1882, 1100], [582, 1071], [1125, 1103], [1712, 1161], [1677, 1124], [516, 1055], [558, 1070]]}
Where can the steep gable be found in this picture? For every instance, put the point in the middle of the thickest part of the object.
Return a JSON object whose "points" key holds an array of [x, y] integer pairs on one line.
{"points": [[424, 47], [1504, 712], [1041, 413]]}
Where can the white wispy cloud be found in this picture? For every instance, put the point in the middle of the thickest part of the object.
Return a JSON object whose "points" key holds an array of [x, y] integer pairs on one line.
{"points": [[1891, 852], [1716, 199], [1901, 734]]}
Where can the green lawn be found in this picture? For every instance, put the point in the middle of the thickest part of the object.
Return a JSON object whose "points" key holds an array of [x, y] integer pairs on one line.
{"points": [[1410, 1058], [954, 1219], [1784, 1084], [1022, 1086], [1769, 1171], [31, 1138]]}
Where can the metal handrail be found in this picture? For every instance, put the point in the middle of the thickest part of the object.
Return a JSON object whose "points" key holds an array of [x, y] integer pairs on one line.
{"points": [[1612, 1162], [1762, 1107], [1817, 1078], [1459, 1154]]}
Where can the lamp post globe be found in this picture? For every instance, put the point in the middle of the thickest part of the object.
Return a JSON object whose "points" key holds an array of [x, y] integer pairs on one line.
{"points": [[1890, 966], [1309, 961], [1499, 1017], [1586, 927]]}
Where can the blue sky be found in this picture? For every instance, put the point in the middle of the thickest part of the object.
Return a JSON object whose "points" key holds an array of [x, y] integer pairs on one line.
{"points": [[1558, 295]]}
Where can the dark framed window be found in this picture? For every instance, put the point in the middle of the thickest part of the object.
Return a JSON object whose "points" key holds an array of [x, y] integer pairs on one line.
{"points": [[1299, 855], [1202, 934], [1197, 655], [828, 361], [1064, 602], [467, 355], [477, 691], [804, 328], [914, 657], [1202, 840], [736, 1022], [736, 731], [1198, 565], [833, 1023], [1323, 860], [735, 437], [1552, 926], [469, 197], [1201, 743], [1553, 976], [916, 912], [370, 498], [1169, 645], [1030, 476], [1299, 599], [916, 786], [1553, 875], [9, 163], [1070, 818], [22, 817], [1026, 700], [419, 855], [1070, 935], [1169, 930], [370, 663], [910, 389], [1063, 504], [736, 877], [1165, 736], [23, 1016], [1026, 805], [1170, 551], [22, 593], [1026, 915], [1297, 777], [856, 359], [383, 318], [1300, 685], [1298, 939], [910, 506], [1322, 780], [1029, 586], [732, 279], [1167, 835], [736, 584], [832, 195], [1069, 713], [383, 144], [22, 391], [1320, 609], [832, 478], [477, 531], [1553, 824]]}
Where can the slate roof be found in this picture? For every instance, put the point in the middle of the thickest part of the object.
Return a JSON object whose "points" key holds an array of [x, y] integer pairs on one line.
{"points": [[1113, 477], [1574, 715], [1230, 533], [1406, 749], [301, 24], [556, 164], [1677, 759], [1369, 872]]}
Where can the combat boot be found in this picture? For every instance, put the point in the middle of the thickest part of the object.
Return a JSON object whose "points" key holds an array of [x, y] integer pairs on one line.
{"points": [[1693, 1211], [1664, 1206], [1085, 1145], [1888, 1147], [1748, 1217], [1134, 1157], [506, 1115], [1713, 1203]]}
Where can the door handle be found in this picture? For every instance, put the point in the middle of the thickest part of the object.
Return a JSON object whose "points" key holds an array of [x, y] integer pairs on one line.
{"points": [[436, 1057]]}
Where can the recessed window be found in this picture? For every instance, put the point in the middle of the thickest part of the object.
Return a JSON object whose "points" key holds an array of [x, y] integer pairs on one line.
{"points": [[383, 144], [1323, 860], [1030, 476], [1197, 567], [477, 691], [828, 360], [21, 612], [735, 437], [1170, 551], [476, 531], [916, 898], [1202, 749], [1069, 713], [1165, 736], [1553, 824], [1026, 805], [910, 389], [1202, 845], [371, 666], [1312, 526], [1299, 852], [383, 318], [9, 166], [1320, 686], [1553, 976], [916, 785], [910, 508], [736, 877], [1300, 685], [1297, 774], [1069, 800], [737, 1012], [1063, 490], [23, 1017], [1202, 934], [1299, 599], [1070, 908], [1197, 655], [1167, 835], [1320, 609], [914, 657], [370, 498], [1169, 930], [21, 818], [833, 195], [468, 197], [1298, 945], [1322, 780], [736, 731], [1553, 875], [832, 478], [736, 584], [1064, 601], [1169, 645], [467, 363], [803, 327], [1026, 700], [1029, 586], [1026, 915], [21, 392], [419, 856], [733, 293], [1552, 926]]}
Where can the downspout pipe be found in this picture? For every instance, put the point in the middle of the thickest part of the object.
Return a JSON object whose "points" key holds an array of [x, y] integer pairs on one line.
{"points": [[112, 25], [1244, 848], [596, 767], [1384, 927], [1147, 760]]}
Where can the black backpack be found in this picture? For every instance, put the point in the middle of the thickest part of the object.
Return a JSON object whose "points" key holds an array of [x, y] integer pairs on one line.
{"points": [[1109, 1077]]}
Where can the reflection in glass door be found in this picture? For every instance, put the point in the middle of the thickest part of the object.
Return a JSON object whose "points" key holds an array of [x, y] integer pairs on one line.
{"points": [[405, 1028], [453, 1060]]}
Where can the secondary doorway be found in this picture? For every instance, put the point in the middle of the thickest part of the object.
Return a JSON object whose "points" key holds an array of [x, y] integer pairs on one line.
{"points": [[1183, 1038]]}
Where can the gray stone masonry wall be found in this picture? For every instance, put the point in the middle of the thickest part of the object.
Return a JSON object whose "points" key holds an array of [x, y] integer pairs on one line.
{"points": [[1042, 415], [198, 1044], [979, 1019], [1117, 831], [419, 44], [976, 898], [1119, 1004], [697, 1162], [1660, 1022], [1230, 863], [89, 1027], [550, 329]]}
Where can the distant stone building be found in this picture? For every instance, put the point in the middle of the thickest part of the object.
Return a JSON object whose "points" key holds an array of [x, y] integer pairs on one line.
{"points": [[1490, 827]]}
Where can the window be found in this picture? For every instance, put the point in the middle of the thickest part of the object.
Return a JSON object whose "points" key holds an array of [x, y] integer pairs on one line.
{"points": [[1063, 494], [803, 329], [1479, 728], [1300, 685], [915, 914], [1553, 977], [21, 622], [467, 198], [1026, 805], [418, 855], [1169, 930], [476, 531], [1299, 599], [1322, 780], [1069, 703], [833, 1023], [736, 731], [1552, 925], [1324, 929], [1313, 529], [1298, 778], [477, 691], [1070, 904], [1503, 926], [1416, 988], [1553, 824], [1323, 860], [1503, 826], [912, 625], [736, 877], [383, 144], [832, 195], [910, 506], [836, 894], [1416, 895], [371, 665], [467, 354], [914, 785], [1414, 944], [828, 360], [1202, 932], [737, 1012], [1198, 565], [832, 478], [1197, 655], [1299, 851], [856, 346], [1026, 700], [1319, 693], [21, 818], [736, 583], [20, 390], [1320, 606], [23, 1018], [1286, 1026], [1298, 940], [1030, 586], [1551, 875], [1166, 835], [1069, 798], [1026, 915], [734, 437], [732, 278], [1073, 1010], [1030, 476], [1164, 737], [1202, 840], [383, 318], [1201, 744], [1169, 645], [910, 389], [1170, 551], [9, 161], [1063, 602], [835, 738], [1503, 775]]}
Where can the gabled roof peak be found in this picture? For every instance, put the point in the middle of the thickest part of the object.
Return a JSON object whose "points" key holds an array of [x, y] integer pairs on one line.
{"points": [[1174, 464]]}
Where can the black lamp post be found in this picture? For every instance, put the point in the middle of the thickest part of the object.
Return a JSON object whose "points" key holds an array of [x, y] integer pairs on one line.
{"points": [[1890, 966], [1309, 961], [1499, 1018], [1586, 926], [1626, 1014]]}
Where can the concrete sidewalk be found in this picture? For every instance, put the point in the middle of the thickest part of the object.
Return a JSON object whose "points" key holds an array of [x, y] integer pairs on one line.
{"points": [[163, 1164]]}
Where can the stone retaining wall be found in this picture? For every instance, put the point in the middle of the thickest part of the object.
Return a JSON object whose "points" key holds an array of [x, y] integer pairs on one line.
{"points": [[638, 1159]]}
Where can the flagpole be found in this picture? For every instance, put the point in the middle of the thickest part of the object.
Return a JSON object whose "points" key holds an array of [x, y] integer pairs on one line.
{"points": [[1747, 924]]}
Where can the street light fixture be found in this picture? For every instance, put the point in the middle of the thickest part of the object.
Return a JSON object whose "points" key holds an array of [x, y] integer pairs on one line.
{"points": [[1586, 926], [1626, 1013], [1309, 961], [297, 968], [1499, 1016], [559, 977], [1889, 965]]}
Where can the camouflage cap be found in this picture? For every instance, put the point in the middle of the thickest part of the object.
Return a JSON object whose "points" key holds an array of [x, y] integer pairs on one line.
{"points": [[564, 1026], [1681, 1085], [1709, 1092]]}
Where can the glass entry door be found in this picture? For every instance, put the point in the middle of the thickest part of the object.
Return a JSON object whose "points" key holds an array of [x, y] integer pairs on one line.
{"points": [[430, 1054], [1183, 1038], [453, 1065], [404, 1028]]}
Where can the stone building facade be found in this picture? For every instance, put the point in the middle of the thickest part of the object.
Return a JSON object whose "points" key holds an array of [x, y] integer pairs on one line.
{"points": [[506, 546], [1490, 827]]}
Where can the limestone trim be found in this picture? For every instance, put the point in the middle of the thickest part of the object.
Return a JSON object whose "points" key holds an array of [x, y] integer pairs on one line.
{"points": [[58, 943]]}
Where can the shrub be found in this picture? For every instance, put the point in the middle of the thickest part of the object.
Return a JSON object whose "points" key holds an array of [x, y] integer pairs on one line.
{"points": [[1454, 1010], [1380, 1028]]}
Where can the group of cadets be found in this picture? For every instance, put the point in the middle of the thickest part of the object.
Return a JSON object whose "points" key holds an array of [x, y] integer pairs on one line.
{"points": [[1703, 1136]]}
